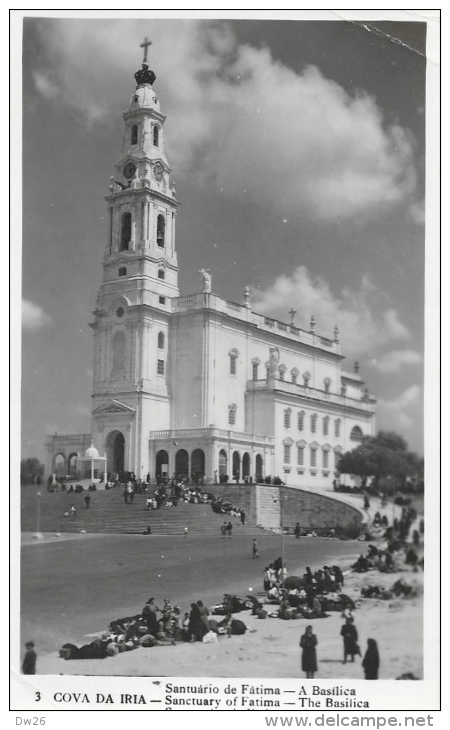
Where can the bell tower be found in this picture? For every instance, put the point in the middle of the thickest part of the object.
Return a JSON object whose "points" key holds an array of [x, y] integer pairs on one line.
{"points": [[140, 278]]}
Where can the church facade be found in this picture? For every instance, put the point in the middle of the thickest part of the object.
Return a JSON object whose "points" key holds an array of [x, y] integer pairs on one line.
{"points": [[197, 385]]}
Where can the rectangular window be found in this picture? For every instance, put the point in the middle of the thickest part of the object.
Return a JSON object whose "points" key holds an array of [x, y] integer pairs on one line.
{"points": [[161, 274], [313, 457], [287, 454], [337, 428], [232, 366], [160, 367], [232, 416], [325, 426], [300, 455], [123, 271], [255, 371], [325, 459], [162, 300]]}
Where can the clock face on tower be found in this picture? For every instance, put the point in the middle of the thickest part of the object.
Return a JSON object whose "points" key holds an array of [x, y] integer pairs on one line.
{"points": [[129, 170], [158, 171]]}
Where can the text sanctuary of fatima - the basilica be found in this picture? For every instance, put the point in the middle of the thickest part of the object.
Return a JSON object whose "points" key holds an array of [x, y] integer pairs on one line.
{"points": [[197, 385]]}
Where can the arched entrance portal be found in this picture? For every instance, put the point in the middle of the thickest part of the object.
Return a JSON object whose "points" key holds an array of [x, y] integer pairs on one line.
{"points": [[246, 465], [258, 467], [60, 465], [162, 464], [182, 464], [197, 465], [115, 452], [236, 465], [223, 463]]}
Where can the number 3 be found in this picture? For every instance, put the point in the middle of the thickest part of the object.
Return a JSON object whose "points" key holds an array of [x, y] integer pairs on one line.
{"points": [[38, 696]]}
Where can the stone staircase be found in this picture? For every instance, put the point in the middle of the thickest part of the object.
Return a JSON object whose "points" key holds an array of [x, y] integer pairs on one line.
{"points": [[108, 513], [268, 507]]}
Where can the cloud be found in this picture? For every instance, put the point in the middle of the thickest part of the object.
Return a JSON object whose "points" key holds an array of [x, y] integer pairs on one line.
{"points": [[47, 88], [352, 310], [393, 362], [403, 412], [297, 142], [33, 317]]}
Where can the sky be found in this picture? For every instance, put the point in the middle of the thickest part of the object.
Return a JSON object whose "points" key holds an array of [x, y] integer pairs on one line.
{"points": [[298, 152]]}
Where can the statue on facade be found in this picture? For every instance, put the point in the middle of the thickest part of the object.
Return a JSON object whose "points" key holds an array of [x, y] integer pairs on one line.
{"points": [[274, 360], [206, 280]]}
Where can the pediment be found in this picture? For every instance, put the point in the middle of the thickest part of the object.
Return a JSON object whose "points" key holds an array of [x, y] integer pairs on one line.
{"points": [[113, 406]]}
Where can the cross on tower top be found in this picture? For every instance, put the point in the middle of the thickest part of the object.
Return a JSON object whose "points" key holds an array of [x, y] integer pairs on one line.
{"points": [[145, 45]]}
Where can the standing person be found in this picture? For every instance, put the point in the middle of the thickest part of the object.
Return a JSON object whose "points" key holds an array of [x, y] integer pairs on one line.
{"points": [[297, 531], [223, 529], [308, 643], [350, 636], [255, 553], [29, 660], [229, 529], [243, 517], [87, 500], [371, 661], [185, 531], [73, 511]]}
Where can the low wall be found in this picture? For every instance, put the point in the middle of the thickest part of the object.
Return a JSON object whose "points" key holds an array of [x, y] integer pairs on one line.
{"points": [[316, 511]]}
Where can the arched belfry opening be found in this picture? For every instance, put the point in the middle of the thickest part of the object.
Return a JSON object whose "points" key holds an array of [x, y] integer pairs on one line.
{"points": [[125, 232], [161, 231], [115, 452]]}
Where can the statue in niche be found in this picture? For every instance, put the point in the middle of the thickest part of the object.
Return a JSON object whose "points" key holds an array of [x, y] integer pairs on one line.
{"points": [[206, 280]]}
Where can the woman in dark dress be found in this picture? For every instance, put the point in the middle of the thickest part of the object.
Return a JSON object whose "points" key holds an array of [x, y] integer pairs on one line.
{"points": [[350, 636], [308, 643], [371, 661]]}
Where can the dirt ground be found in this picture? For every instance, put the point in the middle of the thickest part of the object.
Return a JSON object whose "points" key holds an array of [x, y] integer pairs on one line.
{"points": [[270, 647]]}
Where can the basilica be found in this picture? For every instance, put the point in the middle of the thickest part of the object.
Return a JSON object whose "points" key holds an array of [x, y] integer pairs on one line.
{"points": [[197, 385]]}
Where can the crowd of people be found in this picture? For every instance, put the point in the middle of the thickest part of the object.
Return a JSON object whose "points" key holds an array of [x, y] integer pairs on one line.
{"points": [[307, 596], [165, 626]]}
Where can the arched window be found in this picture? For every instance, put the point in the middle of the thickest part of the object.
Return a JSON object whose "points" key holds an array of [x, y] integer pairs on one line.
{"points": [[337, 427], [234, 354], [287, 418], [161, 231], [161, 339], [232, 414], [325, 425], [156, 136], [356, 434], [325, 460], [314, 423], [306, 379], [125, 232], [134, 134], [313, 457], [326, 385], [301, 421], [118, 358]]}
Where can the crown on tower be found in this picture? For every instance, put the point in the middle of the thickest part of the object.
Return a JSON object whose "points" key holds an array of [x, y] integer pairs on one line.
{"points": [[144, 76]]}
